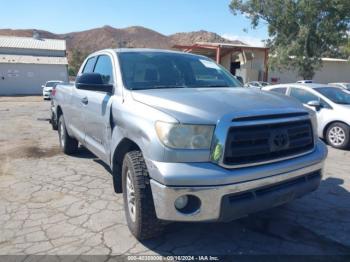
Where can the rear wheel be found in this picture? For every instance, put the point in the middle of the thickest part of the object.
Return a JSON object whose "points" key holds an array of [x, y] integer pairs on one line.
{"points": [[69, 145], [337, 135], [138, 201], [53, 121]]}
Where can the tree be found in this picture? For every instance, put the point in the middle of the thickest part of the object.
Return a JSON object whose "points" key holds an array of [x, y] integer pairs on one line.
{"points": [[346, 50], [76, 59], [300, 31]]}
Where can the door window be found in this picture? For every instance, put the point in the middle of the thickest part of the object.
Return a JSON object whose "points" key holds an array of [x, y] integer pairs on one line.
{"points": [[303, 95], [281, 90], [105, 68]]}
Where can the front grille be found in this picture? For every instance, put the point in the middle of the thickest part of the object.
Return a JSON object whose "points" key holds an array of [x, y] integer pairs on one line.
{"points": [[266, 142]]}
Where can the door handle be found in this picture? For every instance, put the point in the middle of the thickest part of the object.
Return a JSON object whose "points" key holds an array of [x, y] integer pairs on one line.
{"points": [[85, 100]]}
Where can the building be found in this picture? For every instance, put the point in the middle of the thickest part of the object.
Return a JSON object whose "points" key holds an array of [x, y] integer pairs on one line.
{"points": [[27, 63], [248, 62], [332, 70], [251, 63]]}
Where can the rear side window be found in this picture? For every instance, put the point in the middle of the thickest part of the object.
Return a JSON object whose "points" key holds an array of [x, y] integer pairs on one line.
{"points": [[303, 95], [281, 90], [89, 66], [105, 68]]}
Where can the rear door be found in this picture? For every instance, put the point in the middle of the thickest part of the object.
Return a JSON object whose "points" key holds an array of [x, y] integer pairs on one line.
{"points": [[97, 110]]}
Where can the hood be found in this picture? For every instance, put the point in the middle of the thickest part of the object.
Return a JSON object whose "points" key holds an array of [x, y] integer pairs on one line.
{"points": [[208, 105]]}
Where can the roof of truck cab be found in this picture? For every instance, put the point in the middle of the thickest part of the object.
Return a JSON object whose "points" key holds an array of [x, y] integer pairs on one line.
{"points": [[144, 50], [138, 50], [150, 50]]}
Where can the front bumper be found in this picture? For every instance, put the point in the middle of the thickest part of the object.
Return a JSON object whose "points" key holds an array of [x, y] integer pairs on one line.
{"points": [[242, 197]]}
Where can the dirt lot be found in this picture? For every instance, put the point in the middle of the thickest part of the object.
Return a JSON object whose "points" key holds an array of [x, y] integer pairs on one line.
{"points": [[55, 204]]}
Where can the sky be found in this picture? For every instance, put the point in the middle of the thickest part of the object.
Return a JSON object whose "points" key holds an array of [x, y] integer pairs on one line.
{"points": [[164, 16]]}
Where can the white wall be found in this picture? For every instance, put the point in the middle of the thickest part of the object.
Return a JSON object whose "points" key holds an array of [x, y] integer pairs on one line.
{"points": [[252, 68], [332, 71], [26, 79]]}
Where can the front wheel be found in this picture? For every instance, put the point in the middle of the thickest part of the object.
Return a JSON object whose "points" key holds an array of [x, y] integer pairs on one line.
{"points": [[337, 135], [138, 201]]}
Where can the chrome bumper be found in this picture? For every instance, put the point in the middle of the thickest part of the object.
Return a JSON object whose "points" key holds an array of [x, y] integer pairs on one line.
{"points": [[211, 196]]}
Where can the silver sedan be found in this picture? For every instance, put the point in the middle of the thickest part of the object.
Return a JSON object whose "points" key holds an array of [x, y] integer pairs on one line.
{"points": [[332, 107], [342, 85]]}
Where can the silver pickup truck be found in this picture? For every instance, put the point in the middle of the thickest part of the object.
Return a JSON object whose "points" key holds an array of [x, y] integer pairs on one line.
{"points": [[184, 141]]}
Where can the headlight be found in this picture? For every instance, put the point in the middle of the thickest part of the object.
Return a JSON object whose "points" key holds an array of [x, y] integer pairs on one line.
{"points": [[184, 136]]}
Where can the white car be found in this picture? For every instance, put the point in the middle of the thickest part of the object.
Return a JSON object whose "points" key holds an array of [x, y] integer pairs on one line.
{"points": [[256, 84], [47, 88], [341, 85], [305, 82], [332, 107]]}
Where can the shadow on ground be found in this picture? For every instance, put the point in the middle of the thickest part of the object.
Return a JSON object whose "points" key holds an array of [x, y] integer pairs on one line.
{"points": [[275, 231], [293, 229]]}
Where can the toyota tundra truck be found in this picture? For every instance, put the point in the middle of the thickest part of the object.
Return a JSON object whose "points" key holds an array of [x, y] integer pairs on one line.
{"points": [[184, 141]]}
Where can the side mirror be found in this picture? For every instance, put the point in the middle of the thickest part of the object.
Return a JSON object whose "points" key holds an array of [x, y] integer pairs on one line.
{"points": [[314, 103], [93, 82]]}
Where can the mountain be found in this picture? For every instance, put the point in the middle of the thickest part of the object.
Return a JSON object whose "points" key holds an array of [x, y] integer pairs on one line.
{"points": [[199, 36], [109, 37]]}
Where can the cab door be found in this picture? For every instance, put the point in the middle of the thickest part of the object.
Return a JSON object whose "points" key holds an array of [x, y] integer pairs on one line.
{"points": [[98, 109], [76, 106]]}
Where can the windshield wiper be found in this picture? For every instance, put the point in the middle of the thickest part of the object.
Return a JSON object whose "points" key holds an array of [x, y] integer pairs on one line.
{"points": [[216, 86], [168, 86]]}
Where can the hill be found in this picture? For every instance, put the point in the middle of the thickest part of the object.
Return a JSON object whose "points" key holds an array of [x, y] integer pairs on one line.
{"points": [[110, 37], [79, 44]]}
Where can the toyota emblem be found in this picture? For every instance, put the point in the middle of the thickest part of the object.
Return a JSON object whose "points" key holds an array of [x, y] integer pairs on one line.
{"points": [[279, 140]]}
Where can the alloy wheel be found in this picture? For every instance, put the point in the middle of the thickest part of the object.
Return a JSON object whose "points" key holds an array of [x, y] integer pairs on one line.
{"points": [[130, 192], [337, 136]]}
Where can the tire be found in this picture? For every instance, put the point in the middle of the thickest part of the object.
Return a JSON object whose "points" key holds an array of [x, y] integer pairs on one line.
{"points": [[69, 145], [337, 135], [142, 221], [53, 122]]}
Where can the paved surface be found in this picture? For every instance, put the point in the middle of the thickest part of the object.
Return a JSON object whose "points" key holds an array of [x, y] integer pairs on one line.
{"points": [[55, 204]]}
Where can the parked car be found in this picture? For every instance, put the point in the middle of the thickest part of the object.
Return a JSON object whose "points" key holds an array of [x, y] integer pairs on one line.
{"points": [[184, 141], [47, 88], [332, 107], [257, 84], [305, 81], [240, 79], [343, 85]]}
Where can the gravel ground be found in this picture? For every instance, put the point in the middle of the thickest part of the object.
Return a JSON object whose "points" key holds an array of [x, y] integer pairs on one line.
{"points": [[51, 203]]}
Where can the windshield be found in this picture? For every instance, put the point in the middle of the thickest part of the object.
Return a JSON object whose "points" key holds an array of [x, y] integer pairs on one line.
{"points": [[51, 84], [336, 95], [152, 70]]}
